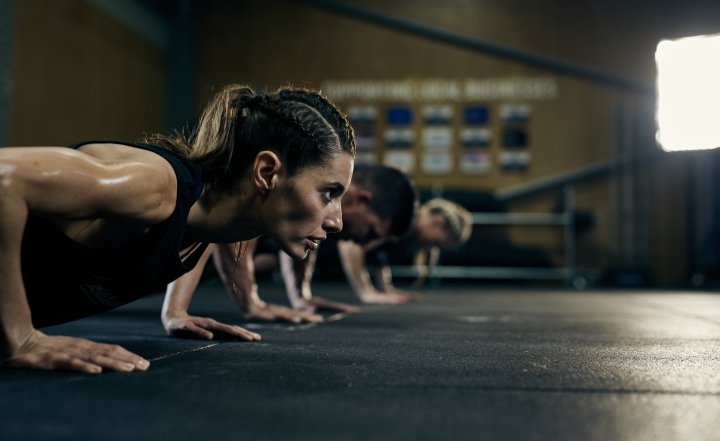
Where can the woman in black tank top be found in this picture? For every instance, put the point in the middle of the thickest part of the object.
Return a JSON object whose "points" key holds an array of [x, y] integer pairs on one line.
{"points": [[98, 225]]}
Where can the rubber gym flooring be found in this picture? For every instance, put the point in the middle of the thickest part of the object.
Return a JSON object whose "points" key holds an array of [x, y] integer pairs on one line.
{"points": [[468, 363]]}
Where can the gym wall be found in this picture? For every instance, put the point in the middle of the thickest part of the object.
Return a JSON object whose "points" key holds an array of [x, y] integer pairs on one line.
{"points": [[78, 75], [267, 44]]}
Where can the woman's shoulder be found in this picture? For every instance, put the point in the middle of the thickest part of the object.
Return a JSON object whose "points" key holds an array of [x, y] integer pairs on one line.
{"points": [[108, 180], [112, 151], [152, 172]]}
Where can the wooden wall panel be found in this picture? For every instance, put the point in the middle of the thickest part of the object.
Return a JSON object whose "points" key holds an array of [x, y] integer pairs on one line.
{"points": [[270, 43], [78, 74]]}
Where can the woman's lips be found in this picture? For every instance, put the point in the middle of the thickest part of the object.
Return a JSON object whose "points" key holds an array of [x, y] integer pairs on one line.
{"points": [[312, 245]]}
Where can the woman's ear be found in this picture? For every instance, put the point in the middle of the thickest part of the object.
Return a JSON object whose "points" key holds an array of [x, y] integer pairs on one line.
{"points": [[363, 197], [265, 171]]}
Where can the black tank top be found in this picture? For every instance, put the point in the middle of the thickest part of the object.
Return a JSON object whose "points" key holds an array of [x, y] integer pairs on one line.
{"points": [[66, 281]]}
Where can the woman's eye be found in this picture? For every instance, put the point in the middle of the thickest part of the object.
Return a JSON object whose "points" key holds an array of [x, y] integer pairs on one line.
{"points": [[328, 194]]}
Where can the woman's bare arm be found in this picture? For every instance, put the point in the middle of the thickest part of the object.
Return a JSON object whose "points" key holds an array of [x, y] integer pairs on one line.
{"points": [[61, 183], [175, 317]]}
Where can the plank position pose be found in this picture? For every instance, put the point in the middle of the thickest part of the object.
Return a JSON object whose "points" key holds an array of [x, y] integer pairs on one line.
{"points": [[89, 228], [380, 204]]}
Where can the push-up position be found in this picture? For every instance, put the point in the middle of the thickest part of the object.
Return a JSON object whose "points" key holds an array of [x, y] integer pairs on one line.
{"points": [[92, 227]]}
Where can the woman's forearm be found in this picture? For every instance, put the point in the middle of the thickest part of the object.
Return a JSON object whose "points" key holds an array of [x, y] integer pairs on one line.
{"points": [[15, 317], [235, 266], [180, 292]]}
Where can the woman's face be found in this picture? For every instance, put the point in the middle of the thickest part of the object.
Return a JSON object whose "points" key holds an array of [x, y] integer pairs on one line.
{"points": [[302, 210], [432, 231]]}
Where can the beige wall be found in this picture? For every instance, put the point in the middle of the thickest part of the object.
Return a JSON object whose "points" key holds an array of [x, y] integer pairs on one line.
{"points": [[78, 74], [267, 44]]}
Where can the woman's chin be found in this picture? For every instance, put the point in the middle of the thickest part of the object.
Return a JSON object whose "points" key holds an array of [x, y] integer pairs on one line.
{"points": [[297, 252]]}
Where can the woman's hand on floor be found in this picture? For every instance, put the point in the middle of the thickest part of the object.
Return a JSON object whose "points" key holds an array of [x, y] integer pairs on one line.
{"points": [[202, 328], [40, 351], [270, 312]]}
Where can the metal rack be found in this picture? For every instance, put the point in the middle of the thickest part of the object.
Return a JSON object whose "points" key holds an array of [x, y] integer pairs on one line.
{"points": [[567, 273]]}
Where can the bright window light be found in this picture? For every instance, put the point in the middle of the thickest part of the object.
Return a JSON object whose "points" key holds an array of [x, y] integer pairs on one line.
{"points": [[688, 93]]}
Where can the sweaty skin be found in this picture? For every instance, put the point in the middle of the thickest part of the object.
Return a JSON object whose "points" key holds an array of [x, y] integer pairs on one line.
{"points": [[98, 201], [106, 196]]}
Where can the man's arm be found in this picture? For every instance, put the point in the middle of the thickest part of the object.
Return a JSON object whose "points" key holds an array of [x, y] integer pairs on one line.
{"points": [[175, 317], [352, 257], [297, 275], [239, 279]]}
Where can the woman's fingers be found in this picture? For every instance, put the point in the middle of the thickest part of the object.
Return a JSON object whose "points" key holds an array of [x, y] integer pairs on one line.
{"points": [[188, 329], [229, 331], [207, 329], [65, 361], [75, 364], [112, 357], [116, 352], [249, 335], [310, 317], [76, 354], [112, 363], [201, 331]]}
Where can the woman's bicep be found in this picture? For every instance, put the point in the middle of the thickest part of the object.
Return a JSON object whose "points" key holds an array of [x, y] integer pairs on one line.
{"points": [[66, 184]]}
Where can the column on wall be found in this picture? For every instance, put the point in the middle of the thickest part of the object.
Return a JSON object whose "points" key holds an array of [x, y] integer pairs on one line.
{"points": [[6, 21]]}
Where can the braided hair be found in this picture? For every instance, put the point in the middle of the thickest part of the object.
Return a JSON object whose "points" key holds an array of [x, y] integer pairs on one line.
{"points": [[301, 126], [327, 109]]}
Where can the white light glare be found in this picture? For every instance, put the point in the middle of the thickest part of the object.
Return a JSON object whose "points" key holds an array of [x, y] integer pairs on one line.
{"points": [[688, 93]]}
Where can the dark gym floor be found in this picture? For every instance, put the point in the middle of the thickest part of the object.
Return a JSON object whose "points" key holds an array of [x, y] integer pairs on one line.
{"points": [[469, 363]]}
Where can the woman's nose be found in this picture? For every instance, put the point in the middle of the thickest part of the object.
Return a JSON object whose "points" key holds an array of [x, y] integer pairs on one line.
{"points": [[334, 223]]}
